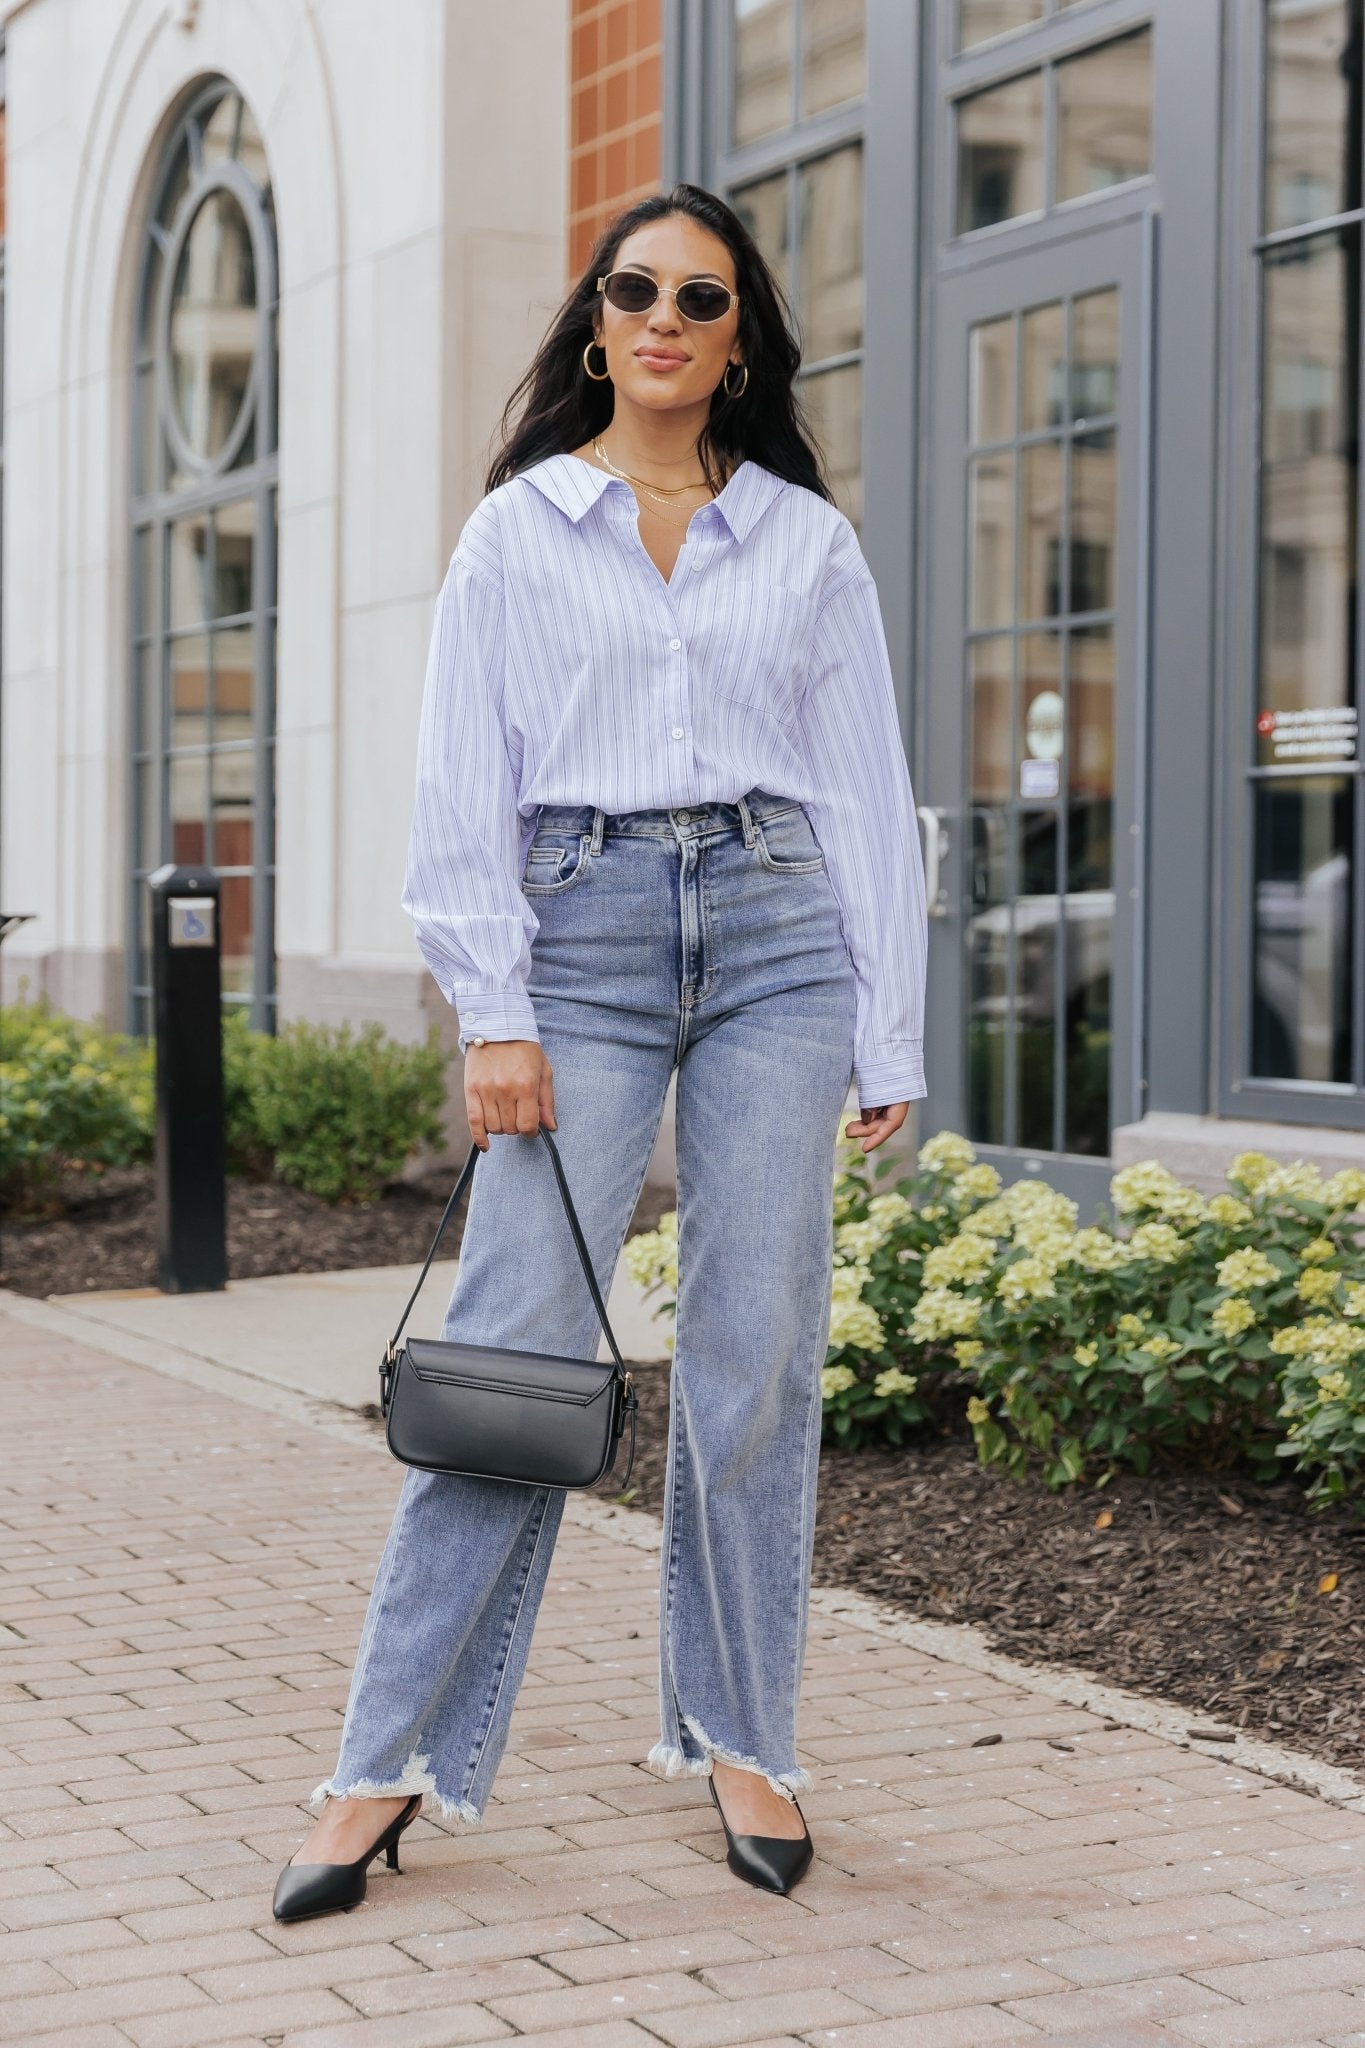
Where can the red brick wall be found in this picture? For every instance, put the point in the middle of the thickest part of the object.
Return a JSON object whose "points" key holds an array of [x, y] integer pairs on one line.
{"points": [[616, 82]]}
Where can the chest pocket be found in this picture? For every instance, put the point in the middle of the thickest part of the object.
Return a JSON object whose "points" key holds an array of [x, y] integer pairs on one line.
{"points": [[757, 653]]}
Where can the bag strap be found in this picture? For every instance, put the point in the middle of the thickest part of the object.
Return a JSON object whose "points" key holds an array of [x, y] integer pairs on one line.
{"points": [[580, 1245]]}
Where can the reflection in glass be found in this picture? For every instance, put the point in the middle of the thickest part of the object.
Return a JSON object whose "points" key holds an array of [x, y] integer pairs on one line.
{"points": [[1044, 367], [1095, 355], [234, 911], [988, 1032], [191, 603], [762, 207], [833, 404], [992, 381], [1313, 111], [1090, 758], [979, 20], [1040, 530], [1000, 153], [230, 776], [214, 324], [992, 763], [991, 524], [1042, 730], [144, 581], [1309, 482], [1094, 520], [833, 53], [1104, 116], [234, 539], [189, 787], [1035, 919], [147, 815], [762, 67], [1089, 961], [189, 690], [1301, 988], [232, 680], [830, 213]]}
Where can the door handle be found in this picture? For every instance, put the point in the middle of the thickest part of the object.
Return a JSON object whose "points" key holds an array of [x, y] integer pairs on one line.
{"points": [[935, 847]]}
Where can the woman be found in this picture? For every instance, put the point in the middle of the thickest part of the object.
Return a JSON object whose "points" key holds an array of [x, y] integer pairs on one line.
{"points": [[663, 825]]}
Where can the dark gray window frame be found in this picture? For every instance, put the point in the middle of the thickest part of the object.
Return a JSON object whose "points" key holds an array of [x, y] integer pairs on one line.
{"points": [[1239, 1090], [153, 511]]}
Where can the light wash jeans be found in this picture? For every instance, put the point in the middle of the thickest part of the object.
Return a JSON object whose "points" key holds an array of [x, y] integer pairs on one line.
{"points": [[707, 940]]}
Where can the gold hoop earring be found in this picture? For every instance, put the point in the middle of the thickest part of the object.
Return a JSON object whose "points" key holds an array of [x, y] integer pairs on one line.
{"points": [[725, 381], [598, 376]]}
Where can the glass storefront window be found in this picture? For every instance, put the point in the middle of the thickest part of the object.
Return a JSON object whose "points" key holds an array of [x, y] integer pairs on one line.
{"points": [[1101, 130], [775, 83], [1040, 681], [1303, 747], [1313, 111], [981, 21], [204, 387], [1104, 116]]}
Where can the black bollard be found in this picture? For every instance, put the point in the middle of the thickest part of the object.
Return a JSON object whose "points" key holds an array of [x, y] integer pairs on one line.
{"points": [[191, 1167]]}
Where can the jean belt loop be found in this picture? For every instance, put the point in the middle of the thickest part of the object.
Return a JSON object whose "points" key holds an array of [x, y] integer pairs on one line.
{"points": [[599, 819], [746, 820]]}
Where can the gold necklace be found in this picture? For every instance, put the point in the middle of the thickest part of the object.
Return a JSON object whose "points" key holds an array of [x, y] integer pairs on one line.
{"points": [[661, 493]]}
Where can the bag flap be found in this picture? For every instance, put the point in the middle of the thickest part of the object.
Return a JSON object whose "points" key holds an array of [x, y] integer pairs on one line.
{"points": [[579, 1380]]}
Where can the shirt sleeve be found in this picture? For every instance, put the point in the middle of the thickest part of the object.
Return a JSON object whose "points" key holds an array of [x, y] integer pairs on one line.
{"points": [[864, 818], [462, 886]]}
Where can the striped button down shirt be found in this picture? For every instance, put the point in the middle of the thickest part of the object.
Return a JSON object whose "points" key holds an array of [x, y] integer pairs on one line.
{"points": [[564, 669]]}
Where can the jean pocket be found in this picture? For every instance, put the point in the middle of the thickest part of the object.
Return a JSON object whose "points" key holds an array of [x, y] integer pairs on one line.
{"points": [[787, 845], [554, 865]]}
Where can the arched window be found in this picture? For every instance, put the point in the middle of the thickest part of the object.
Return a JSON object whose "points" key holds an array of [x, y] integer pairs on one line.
{"points": [[204, 472]]}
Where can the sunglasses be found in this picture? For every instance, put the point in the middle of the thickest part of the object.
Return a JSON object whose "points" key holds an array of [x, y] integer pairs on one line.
{"points": [[630, 291]]}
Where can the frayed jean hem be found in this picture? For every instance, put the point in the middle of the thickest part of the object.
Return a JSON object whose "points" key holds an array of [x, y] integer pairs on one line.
{"points": [[415, 1777], [671, 1762]]}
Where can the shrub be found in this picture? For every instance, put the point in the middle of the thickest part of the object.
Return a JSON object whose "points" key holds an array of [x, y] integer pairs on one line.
{"points": [[337, 1111], [1220, 1331], [72, 1095]]}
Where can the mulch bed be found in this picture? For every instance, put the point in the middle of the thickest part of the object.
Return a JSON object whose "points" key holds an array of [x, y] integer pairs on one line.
{"points": [[103, 1232], [1203, 1589]]}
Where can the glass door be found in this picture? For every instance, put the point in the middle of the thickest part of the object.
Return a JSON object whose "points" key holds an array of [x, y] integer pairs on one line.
{"points": [[1031, 770]]}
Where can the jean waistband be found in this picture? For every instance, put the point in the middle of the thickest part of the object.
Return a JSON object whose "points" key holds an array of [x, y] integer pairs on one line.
{"points": [[681, 821]]}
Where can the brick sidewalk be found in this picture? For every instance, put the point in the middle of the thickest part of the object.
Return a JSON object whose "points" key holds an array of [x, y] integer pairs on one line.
{"points": [[183, 1583]]}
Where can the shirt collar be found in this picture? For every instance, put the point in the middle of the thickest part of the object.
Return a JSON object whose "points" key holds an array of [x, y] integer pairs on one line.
{"points": [[575, 487]]}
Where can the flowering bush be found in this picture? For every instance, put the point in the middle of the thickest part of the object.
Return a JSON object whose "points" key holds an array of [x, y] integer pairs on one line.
{"points": [[1223, 1330], [71, 1095]]}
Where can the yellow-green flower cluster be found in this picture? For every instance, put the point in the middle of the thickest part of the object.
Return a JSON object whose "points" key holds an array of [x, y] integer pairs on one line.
{"points": [[1245, 1270], [1319, 1338], [967, 1257], [651, 1257], [1317, 1286], [941, 1313], [1161, 1242], [946, 1153], [975, 1184], [893, 1381], [1227, 1210], [1233, 1317], [836, 1379], [1345, 1190], [852, 1321], [1147, 1184]]}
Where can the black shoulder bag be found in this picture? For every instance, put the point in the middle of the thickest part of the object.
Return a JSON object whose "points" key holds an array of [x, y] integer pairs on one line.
{"points": [[526, 1416]]}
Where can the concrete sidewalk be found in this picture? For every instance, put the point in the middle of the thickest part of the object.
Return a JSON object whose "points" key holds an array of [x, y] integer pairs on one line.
{"points": [[183, 1580]]}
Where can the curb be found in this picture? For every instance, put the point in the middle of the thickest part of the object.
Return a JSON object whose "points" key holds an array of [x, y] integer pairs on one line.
{"points": [[949, 1642]]}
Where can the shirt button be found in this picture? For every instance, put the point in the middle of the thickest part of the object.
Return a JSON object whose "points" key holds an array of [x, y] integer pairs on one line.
{"points": [[675, 644], [677, 732]]}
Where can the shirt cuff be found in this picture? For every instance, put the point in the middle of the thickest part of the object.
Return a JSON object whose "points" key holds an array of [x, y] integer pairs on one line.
{"points": [[497, 1017], [894, 1074]]}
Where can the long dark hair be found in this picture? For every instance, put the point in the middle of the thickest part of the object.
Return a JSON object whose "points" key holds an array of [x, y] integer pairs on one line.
{"points": [[561, 407]]}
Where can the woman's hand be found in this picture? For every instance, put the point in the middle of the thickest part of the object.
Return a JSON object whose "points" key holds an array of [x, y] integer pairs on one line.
{"points": [[508, 1088], [875, 1126]]}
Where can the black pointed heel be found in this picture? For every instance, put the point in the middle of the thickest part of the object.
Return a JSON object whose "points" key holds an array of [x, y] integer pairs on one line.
{"points": [[304, 1890], [772, 1862]]}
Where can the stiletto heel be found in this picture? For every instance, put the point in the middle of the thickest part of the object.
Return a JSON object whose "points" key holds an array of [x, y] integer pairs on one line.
{"points": [[304, 1890], [772, 1862]]}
